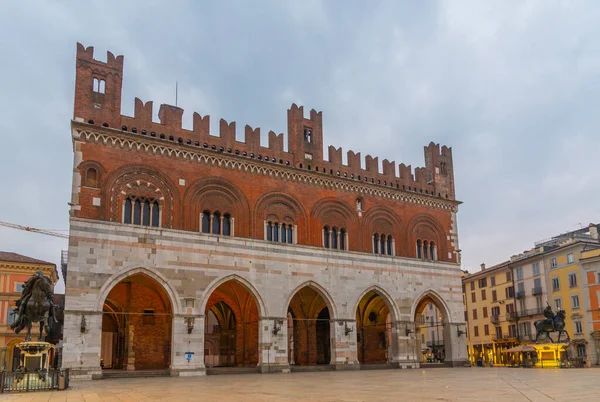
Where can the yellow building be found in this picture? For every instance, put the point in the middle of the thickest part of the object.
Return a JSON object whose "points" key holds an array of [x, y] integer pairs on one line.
{"points": [[490, 314], [565, 280], [15, 269]]}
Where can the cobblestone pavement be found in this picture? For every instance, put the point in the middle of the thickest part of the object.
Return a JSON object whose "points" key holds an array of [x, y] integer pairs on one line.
{"points": [[439, 384]]}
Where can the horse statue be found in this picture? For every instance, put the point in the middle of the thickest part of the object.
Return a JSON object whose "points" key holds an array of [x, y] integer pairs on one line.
{"points": [[552, 323], [35, 305]]}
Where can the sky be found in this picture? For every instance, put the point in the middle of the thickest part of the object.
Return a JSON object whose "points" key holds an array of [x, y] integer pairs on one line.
{"points": [[512, 86]]}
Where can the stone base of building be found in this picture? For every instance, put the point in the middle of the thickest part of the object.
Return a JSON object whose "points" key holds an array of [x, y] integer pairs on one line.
{"points": [[83, 374], [274, 368], [197, 372], [346, 366]]}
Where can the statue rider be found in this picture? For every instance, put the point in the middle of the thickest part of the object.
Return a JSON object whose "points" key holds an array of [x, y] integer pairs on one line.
{"points": [[549, 314], [26, 295]]}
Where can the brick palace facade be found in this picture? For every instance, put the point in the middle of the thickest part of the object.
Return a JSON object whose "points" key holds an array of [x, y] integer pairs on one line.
{"points": [[189, 250]]}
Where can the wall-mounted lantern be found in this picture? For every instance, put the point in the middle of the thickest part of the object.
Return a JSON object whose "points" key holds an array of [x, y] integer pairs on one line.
{"points": [[189, 321]]}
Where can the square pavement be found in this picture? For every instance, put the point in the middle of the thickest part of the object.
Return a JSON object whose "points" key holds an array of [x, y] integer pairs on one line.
{"points": [[437, 384]]}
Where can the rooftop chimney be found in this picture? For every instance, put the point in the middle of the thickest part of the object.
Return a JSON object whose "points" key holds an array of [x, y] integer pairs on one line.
{"points": [[482, 267], [593, 231]]}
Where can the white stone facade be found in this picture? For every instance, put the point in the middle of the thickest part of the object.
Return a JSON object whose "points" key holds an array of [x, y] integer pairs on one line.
{"points": [[191, 265]]}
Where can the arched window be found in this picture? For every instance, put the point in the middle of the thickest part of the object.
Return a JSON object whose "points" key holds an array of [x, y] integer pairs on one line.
{"points": [[342, 239], [128, 210], [102, 86], [155, 214], [137, 212], [390, 245], [432, 251], [140, 211], [283, 233], [91, 178], [334, 238], [326, 237], [376, 243], [279, 232], [216, 223], [205, 222], [382, 245], [227, 225], [419, 249], [95, 85], [146, 213]]}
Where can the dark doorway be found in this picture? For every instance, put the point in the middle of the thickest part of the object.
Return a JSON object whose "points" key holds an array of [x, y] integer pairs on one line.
{"points": [[323, 337]]}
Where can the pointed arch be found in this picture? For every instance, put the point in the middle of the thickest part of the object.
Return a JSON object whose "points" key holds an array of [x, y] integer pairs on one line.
{"points": [[427, 296], [141, 181], [385, 295], [216, 194], [424, 227], [149, 272], [262, 310], [321, 291], [281, 208]]}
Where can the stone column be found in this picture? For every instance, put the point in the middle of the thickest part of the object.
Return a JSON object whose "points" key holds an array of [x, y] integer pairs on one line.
{"points": [[221, 225], [344, 352], [81, 350], [455, 345], [201, 216], [346, 245], [393, 246], [231, 226], [273, 357], [266, 229], [210, 224], [130, 349], [182, 343], [404, 345]]}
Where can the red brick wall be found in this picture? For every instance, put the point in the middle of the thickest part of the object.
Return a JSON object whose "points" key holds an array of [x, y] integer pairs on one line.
{"points": [[244, 195], [152, 340]]}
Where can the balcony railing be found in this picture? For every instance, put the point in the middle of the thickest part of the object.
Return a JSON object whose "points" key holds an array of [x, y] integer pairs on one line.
{"points": [[502, 337], [495, 319], [530, 312], [439, 342], [520, 294], [536, 291], [511, 316]]}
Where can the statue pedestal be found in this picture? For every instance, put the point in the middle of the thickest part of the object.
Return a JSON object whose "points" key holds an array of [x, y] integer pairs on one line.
{"points": [[34, 355], [34, 365]]}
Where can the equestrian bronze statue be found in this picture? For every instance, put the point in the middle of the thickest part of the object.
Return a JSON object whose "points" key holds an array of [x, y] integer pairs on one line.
{"points": [[552, 323], [35, 305]]}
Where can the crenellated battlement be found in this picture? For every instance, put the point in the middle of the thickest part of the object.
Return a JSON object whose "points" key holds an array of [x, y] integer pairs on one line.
{"points": [[101, 105]]}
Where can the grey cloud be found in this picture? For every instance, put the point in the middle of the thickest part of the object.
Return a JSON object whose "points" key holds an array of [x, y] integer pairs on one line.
{"points": [[512, 86]]}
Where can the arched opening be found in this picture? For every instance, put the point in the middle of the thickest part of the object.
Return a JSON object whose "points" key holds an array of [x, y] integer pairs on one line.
{"points": [[374, 329], [91, 178], [232, 326], [12, 358], [136, 326], [309, 328], [431, 331]]}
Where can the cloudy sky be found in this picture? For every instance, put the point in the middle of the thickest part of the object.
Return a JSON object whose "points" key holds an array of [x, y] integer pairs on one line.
{"points": [[512, 86]]}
